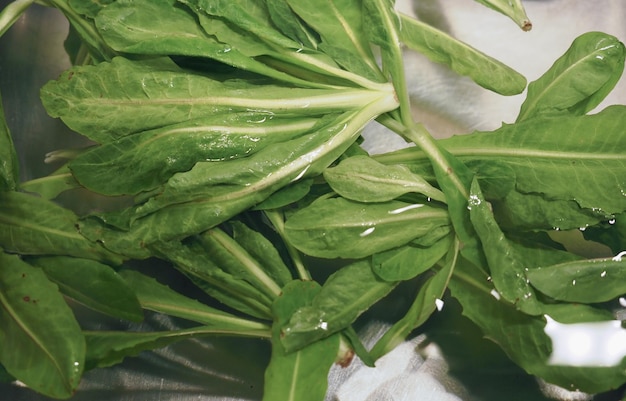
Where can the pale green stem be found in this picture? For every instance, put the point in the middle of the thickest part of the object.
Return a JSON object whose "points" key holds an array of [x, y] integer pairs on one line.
{"points": [[278, 222], [250, 264], [425, 141], [202, 316], [12, 13], [339, 73], [395, 62]]}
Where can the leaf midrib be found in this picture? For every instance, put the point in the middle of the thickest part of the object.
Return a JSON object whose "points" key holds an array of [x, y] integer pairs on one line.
{"points": [[536, 153], [40, 344], [17, 223], [557, 81]]}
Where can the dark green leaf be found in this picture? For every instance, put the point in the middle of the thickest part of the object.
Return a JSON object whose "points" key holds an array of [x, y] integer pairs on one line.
{"points": [[496, 178], [577, 158], [162, 27], [30, 225], [460, 57], [317, 69], [9, 166], [507, 267], [40, 340], [519, 211], [213, 192], [110, 100], [340, 26], [523, 339], [287, 195], [193, 260], [338, 227], [345, 295], [84, 29], [429, 298], [233, 258], [89, 8], [409, 261], [363, 179], [93, 284], [5, 377], [143, 161], [160, 298], [263, 251], [611, 233], [579, 80], [584, 281], [290, 24], [108, 348], [251, 16], [301, 375]]}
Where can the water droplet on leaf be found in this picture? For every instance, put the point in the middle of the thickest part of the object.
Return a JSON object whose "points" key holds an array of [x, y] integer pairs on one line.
{"points": [[619, 256], [367, 232], [406, 208]]}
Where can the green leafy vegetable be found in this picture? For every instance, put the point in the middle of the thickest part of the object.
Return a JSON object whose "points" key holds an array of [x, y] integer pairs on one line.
{"points": [[340, 26], [192, 260], [585, 281], [338, 227], [36, 321], [410, 260], [568, 158], [134, 96], [108, 348], [506, 265], [148, 159], [460, 57], [429, 298], [342, 299], [579, 80], [9, 168], [226, 145], [33, 226], [523, 339], [69, 274], [301, 374], [160, 298], [362, 179]]}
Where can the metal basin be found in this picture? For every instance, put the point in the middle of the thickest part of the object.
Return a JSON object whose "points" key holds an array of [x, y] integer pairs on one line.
{"points": [[438, 363]]}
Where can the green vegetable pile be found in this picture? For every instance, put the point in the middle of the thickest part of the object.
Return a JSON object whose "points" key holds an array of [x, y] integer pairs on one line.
{"points": [[227, 136]]}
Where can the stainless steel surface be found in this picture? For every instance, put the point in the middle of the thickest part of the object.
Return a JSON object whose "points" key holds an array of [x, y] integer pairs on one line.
{"points": [[229, 369]]}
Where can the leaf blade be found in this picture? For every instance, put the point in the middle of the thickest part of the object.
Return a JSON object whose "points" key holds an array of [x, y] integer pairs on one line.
{"points": [[338, 227], [9, 166], [69, 274], [303, 374], [460, 57], [41, 343], [362, 179], [579, 80]]}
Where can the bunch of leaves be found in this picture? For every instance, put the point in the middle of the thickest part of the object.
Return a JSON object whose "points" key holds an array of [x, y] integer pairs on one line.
{"points": [[231, 133]]}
